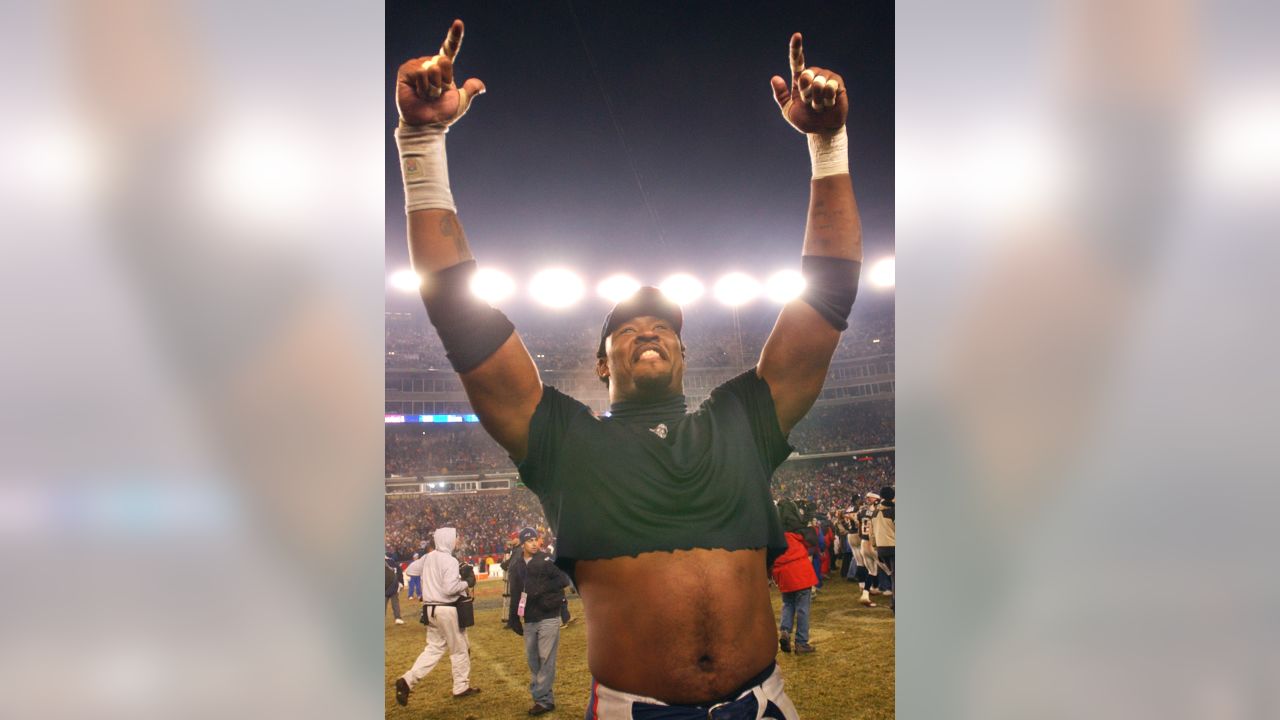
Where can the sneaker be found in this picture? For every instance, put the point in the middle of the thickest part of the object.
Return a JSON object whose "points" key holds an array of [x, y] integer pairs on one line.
{"points": [[804, 648], [399, 621], [784, 643], [469, 691], [539, 708], [402, 692], [887, 593]]}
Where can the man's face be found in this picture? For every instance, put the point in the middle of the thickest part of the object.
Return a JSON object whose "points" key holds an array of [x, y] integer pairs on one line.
{"points": [[644, 360], [531, 546]]}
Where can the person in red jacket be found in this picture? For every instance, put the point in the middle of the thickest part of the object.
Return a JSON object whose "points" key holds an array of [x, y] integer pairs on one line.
{"points": [[794, 575]]}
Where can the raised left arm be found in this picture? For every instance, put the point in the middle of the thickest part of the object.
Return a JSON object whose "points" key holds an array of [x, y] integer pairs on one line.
{"points": [[798, 352]]}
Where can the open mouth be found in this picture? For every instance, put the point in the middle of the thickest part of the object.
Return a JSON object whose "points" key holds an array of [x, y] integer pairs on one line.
{"points": [[648, 352]]}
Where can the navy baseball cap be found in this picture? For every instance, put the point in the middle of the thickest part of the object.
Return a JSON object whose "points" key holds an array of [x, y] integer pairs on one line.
{"points": [[647, 300]]}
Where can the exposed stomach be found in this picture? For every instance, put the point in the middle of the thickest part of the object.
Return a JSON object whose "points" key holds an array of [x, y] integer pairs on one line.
{"points": [[686, 628]]}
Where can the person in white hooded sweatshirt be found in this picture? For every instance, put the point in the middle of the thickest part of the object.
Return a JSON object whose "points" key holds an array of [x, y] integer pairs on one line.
{"points": [[442, 584]]}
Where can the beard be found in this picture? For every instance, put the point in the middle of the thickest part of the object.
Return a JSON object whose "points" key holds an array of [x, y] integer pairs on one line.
{"points": [[654, 387]]}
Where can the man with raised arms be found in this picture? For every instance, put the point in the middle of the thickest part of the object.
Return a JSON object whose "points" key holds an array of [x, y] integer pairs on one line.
{"points": [[663, 517]]}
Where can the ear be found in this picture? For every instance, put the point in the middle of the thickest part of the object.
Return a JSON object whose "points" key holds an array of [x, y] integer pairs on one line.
{"points": [[602, 368]]}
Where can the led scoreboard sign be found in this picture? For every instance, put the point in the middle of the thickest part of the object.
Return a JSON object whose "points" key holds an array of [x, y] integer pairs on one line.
{"points": [[388, 419]]}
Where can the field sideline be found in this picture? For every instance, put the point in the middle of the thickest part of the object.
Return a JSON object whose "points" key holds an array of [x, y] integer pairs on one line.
{"points": [[850, 677]]}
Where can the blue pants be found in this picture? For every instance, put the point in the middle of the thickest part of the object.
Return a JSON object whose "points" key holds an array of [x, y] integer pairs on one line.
{"points": [[541, 640], [797, 603], [415, 586]]}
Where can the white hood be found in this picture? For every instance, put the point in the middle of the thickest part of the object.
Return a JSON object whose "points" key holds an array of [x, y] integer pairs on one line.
{"points": [[446, 538], [441, 582]]}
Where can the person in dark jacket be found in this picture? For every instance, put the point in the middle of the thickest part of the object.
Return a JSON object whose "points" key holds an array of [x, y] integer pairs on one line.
{"points": [[392, 581], [512, 552], [537, 590], [794, 575]]}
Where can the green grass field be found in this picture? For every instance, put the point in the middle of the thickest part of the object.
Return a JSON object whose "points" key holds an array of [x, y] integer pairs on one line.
{"points": [[851, 676]]}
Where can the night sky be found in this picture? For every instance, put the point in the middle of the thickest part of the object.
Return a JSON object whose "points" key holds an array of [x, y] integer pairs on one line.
{"points": [[543, 173]]}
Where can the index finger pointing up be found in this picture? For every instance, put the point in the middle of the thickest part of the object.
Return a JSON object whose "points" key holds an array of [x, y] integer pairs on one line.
{"points": [[797, 56], [452, 41]]}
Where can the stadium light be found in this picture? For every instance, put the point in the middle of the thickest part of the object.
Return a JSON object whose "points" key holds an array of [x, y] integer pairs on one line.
{"points": [[405, 280], [736, 289], [492, 286], [784, 286], [556, 288], [617, 288], [681, 288], [882, 273]]}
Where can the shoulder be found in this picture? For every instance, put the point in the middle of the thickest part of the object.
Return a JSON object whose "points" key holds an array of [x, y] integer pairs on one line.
{"points": [[743, 386], [553, 398]]}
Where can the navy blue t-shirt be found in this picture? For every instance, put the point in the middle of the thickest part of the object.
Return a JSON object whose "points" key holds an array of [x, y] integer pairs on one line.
{"points": [[655, 478]]}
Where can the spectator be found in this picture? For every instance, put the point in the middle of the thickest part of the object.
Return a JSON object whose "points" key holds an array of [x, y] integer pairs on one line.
{"points": [[392, 580], [443, 586], [793, 574], [884, 527], [414, 573], [537, 591]]}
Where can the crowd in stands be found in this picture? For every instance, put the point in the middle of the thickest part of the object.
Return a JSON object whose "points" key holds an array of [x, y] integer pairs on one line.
{"points": [[443, 450], [483, 519], [830, 485], [852, 426]]}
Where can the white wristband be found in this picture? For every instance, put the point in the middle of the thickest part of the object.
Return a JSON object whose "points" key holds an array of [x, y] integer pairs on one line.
{"points": [[424, 167], [829, 153]]}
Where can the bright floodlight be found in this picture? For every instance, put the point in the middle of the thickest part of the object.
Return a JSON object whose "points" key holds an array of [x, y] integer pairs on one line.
{"points": [[617, 288], [882, 273], [405, 280], [556, 288], [681, 288], [492, 286], [736, 289], [784, 286]]}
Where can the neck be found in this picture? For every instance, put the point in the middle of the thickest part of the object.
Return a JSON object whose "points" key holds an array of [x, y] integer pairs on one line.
{"points": [[666, 409], [616, 395]]}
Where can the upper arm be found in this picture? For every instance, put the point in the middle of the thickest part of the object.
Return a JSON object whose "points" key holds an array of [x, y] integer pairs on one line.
{"points": [[504, 390], [795, 359]]}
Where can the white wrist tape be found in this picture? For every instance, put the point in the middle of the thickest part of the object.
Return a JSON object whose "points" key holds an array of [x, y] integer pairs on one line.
{"points": [[829, 153], [425, 168]]}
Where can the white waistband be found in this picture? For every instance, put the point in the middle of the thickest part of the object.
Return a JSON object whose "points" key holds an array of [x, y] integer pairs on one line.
{"points": [[610, 704]]}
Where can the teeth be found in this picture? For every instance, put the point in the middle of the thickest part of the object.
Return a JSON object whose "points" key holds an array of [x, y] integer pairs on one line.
{"points": [[649, 354]]}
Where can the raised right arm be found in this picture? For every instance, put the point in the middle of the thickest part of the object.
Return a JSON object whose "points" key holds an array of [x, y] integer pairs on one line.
{"points": [[497, 373]]}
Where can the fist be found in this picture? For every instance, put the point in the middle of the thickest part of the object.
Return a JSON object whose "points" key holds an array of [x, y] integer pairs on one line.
{"points": [[816, 99], [425, 89]]}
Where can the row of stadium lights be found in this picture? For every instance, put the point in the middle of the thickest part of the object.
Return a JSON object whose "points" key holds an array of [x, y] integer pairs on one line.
{"points": [[562, 288]]}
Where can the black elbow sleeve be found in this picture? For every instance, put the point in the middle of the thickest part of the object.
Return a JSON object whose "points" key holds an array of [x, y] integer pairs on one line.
{"points": [[831, 284], [470, 329]]}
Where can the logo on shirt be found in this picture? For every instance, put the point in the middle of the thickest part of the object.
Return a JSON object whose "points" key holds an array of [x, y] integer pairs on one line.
{"points": [[660, 430]]}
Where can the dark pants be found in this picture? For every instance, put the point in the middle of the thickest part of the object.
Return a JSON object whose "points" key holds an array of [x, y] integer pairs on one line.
{"points": [[886, 557]]}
